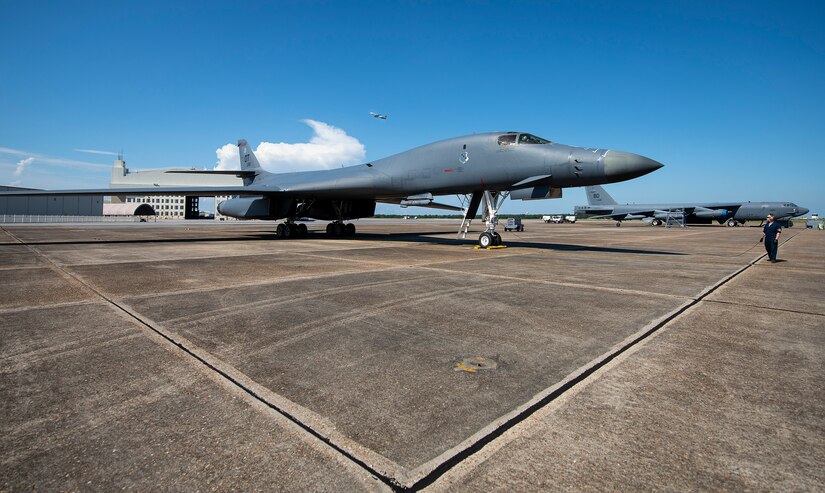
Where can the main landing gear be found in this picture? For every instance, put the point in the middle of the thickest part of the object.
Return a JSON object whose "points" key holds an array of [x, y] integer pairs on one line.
{"points": [[335, 230], [339, 229], [291, 230]]}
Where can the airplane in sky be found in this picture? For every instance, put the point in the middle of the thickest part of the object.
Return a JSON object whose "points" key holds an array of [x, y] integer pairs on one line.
{"points": [[731, 213], [378, 115], [485, 168]]}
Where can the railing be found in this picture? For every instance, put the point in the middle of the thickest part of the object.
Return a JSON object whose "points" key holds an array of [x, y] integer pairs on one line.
{"points": [[44, 218]]}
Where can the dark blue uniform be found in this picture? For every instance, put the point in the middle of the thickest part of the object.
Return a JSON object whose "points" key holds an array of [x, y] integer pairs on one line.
{"points": [[771, 245]]}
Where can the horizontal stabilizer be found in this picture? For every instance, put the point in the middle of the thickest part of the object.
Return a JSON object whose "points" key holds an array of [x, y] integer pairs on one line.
{"points": [[149, 190]]}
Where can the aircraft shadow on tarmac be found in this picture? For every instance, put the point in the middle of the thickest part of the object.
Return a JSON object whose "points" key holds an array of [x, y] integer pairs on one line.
{"points": [[418, 237], [429, 237]]}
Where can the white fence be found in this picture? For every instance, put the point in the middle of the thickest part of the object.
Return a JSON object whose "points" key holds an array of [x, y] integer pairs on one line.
{"points": [[42, 218]]}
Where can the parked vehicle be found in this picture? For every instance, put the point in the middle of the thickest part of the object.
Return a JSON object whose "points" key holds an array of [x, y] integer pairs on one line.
{"points": [[555, 218], [513, 224]]}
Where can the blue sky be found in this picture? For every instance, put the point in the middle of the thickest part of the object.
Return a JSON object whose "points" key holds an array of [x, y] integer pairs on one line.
{"points": [[727, 95]]}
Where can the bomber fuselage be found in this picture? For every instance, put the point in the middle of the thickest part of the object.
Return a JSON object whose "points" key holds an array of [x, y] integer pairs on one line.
{"points": [[490, 161]]}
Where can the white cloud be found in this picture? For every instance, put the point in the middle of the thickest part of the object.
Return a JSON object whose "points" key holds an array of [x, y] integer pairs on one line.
{"points": [[21, 165], [69, 163], [329, 147], [95, 151]]}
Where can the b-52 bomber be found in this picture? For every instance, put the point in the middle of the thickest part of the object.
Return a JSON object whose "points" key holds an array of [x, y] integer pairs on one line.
{"points": [[483, 168], [730, 213]]}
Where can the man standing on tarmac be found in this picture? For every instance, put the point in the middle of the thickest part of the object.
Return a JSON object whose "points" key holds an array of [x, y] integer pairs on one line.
{"points": [[770, 234]]}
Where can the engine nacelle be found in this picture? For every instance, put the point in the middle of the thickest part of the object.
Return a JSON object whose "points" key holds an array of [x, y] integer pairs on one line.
{"points": [[273, 208], [257, 208]]}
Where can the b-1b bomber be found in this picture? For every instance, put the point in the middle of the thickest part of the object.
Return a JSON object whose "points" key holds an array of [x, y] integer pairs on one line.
{"points": [[483, 168]]}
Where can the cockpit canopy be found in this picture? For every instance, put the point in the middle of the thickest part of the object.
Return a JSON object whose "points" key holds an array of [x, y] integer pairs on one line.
{"points": [[512, 138]]}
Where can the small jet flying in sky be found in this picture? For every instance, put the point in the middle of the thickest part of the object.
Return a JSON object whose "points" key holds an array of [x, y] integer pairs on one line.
{"points": [[731, 213], [485, 168], [378, 115]]}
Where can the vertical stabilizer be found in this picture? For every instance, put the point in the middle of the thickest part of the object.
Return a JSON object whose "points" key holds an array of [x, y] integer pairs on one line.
{"points": [[248, 160], [597, 195]]}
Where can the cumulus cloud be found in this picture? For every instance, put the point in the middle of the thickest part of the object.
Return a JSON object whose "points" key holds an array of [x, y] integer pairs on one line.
{"points": [[329, 147], [21, 165]]}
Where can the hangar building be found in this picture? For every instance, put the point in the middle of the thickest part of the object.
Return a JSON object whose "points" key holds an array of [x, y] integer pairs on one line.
{"points": [[50, 206], [166, 206]]}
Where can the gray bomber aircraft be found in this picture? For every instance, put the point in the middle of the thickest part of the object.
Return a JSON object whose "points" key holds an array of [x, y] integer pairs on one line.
{"points": [[484, 168], [731, 213]]}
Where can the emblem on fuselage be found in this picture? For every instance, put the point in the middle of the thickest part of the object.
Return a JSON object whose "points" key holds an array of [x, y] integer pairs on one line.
{"points": [[463, 157]]}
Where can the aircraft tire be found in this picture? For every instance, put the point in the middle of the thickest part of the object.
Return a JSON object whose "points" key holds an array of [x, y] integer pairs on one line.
{"points": [[280, 231], [331, 229], [485, 240], [349, 229], [302, 230], [732, 222], [618, 224], [338, 229], [496, 239]]}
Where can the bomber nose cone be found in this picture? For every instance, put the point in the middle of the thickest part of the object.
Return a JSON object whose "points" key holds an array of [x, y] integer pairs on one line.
{"points": [[803, 211], [619, 165]]}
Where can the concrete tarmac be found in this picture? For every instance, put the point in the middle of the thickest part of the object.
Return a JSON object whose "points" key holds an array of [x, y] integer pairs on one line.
{"points": [[198, 355]]}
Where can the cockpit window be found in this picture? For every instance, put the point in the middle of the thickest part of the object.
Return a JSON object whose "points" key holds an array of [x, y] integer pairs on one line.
{"points": [[531, 139], [507, 140]]}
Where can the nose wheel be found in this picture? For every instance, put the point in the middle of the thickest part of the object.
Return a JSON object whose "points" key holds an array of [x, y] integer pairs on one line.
{"points": [[489, 239]]}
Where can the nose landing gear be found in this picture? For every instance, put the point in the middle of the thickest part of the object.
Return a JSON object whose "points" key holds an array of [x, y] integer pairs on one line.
{"points": [[491, 202]]}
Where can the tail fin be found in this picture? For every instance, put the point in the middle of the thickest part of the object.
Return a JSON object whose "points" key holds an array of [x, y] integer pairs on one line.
{"points": [[248, 160], [596, 195]]}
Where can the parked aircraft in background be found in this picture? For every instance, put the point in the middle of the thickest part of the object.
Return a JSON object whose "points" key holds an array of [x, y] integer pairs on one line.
{"points": [[732, 213], [485, 168]]}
